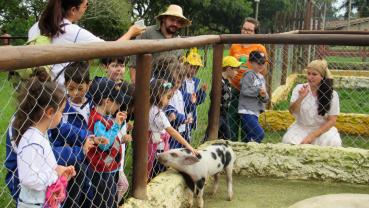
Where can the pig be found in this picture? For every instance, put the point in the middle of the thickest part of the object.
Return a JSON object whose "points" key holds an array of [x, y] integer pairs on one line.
{"points": [[195, 169]]}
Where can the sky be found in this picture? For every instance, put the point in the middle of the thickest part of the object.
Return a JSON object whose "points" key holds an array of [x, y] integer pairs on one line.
{"points": [[342, 11]]}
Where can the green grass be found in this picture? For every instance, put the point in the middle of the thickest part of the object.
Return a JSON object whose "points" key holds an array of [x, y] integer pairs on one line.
{"points": [[7, 109], [343, 59]]}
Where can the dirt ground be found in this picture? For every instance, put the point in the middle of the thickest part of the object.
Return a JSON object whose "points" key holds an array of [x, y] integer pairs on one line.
{"points": [[273, 193]]}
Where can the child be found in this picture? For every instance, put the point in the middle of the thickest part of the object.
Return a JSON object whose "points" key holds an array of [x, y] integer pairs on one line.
{"points": [[161, 92], [42, 181], [105, 159], [128, 89], [63, 139], [230, 66], [176, 108], [76, 113], [115, 68], [253, 97], [77, 83], [193, 96]]}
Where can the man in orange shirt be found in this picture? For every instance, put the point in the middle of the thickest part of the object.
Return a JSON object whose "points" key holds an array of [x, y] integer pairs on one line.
{"points": [[241, 52]]}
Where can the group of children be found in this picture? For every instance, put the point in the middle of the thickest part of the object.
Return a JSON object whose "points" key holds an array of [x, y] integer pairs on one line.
{"points": [[66, 144]]}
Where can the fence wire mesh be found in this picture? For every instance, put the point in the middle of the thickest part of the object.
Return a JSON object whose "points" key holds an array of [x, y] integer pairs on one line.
{"points": [[180, 89]]}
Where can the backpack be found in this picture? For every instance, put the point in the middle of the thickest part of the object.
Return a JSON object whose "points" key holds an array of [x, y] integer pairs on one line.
{"points": [[22, 74]]}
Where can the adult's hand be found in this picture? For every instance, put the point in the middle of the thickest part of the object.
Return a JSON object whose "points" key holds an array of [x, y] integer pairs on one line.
{"points": [[308, 139], [304, 90], [136, 30]]}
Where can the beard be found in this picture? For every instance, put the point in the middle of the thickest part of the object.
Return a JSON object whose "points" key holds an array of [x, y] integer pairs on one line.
{"points": [[171, 29]]}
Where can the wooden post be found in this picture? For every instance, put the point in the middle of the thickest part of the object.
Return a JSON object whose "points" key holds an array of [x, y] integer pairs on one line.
{"points": [[284, 65], [216, 92], [141, 127], [269, 76]]}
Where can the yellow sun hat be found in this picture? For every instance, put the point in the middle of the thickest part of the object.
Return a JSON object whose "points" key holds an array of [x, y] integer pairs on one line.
{"points": [[194, 58], [231, 61]]}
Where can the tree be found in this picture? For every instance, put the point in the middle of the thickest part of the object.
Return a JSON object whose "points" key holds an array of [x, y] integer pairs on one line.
{"points": [[362, 7], [107, 19]]}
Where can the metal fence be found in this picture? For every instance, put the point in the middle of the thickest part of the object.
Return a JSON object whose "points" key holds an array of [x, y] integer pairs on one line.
{"points": [[191, 101]]}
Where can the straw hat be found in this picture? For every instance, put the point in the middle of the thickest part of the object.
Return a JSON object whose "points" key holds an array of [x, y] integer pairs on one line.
{"points": [[176, 11]]}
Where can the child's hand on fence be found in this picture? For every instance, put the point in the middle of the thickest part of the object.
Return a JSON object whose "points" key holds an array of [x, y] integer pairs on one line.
{"points": [[193, 98], [127, 138], [189, 120], [68, 172], [204, 87], [304, 91], [172, 117], [89, 143], [100, 140], [121, 117], [262, 92]]}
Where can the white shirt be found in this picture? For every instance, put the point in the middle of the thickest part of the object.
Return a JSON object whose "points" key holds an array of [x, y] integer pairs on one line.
{"points": [[178, 103], [36, 166], [73, 34], [308, 115], [158, 121], [85, 112], [190, 86]]}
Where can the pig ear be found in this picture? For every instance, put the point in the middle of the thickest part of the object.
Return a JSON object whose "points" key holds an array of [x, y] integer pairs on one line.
{"points": [[190, 159]]}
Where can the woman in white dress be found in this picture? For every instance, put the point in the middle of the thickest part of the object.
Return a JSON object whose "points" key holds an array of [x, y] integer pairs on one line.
{"points": [[315, 106]]}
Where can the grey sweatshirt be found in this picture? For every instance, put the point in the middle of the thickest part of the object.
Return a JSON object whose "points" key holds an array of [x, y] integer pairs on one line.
{"points": [[250, 102]]}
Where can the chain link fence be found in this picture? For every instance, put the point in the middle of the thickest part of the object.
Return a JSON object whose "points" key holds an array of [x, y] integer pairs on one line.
{"points": [[179, 98]]}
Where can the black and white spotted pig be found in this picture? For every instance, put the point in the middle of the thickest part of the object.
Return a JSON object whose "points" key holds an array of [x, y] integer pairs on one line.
{"points": [[195, 169]]}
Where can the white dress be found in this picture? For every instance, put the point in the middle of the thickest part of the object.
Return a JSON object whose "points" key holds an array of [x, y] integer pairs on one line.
{"points": [[308, 120]]}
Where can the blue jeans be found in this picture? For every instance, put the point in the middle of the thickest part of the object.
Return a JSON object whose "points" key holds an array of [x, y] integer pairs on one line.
{"points": [[250, 124]]}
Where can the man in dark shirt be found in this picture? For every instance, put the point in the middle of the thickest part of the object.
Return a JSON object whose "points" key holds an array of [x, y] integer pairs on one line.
{"points": [[170, 22]]}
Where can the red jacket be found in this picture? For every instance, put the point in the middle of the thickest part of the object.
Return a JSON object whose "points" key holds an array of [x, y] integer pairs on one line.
{"points": [[104, 161]]}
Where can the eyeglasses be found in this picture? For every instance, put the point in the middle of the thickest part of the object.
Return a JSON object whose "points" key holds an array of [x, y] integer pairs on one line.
{"points": [[167, 85]]}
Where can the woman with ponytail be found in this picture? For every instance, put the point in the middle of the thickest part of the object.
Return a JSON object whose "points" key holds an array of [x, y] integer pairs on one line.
{"points": [[315, 106], [58, 20]]}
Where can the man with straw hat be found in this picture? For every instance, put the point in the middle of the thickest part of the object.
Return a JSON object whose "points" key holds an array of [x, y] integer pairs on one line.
{"points": [[169, 23]]}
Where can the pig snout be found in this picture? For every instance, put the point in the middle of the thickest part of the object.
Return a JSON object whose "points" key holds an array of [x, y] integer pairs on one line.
{"points": [[162, 159]]}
